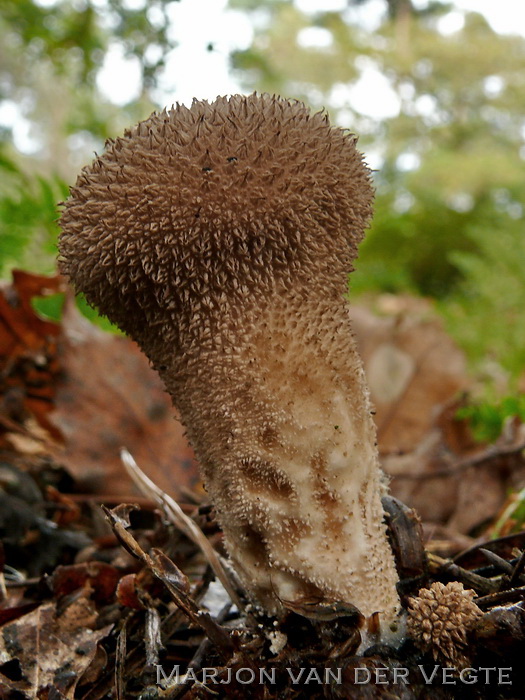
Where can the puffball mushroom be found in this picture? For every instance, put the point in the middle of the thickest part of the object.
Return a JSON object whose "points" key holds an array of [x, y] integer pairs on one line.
{"points": [[220, 238]]}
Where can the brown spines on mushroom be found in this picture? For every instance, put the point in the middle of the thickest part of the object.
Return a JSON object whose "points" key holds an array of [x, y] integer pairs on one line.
{"points": [[220, 238], [218, 199]]}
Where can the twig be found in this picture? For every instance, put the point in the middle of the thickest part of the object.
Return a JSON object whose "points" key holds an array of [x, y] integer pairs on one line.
{"points": [[120, 662], [479, 583], [501, 597], [490, 454], [175, 581], [518, 570], [498, 561], [3, 587], [180, 520], [23, 584], [196, 662]]}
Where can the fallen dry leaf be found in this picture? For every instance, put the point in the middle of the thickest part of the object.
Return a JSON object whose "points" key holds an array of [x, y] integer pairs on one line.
{"points": [[94, 393], [28, 366], [72, 391], [413, 368], [108, 397], [49, 651], [459, 484]]}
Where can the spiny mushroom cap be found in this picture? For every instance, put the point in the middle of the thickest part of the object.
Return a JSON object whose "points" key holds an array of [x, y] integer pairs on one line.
{"points": [[439, 619], [221, 199]]}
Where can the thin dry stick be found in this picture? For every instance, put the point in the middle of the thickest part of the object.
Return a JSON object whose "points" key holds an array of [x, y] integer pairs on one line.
{"points": [[497, 561], [175, 581], [3, 587], [501, 597], [196, 662], [180, 520], [36, 683], [120, 663], [518, 570], [488, 455], [479, 583]]}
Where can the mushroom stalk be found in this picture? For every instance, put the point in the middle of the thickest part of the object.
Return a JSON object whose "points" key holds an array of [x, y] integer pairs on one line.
{"points": [[220, 238]]}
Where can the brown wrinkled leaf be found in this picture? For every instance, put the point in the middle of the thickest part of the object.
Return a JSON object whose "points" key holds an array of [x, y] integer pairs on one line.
{"points": [[28, 363], [108, 397], [480, 493], [53, 651], [94, 391], [418, 479], [127, 592], [455, 483], [21, 329], [416, 376], [100, 578], [412, 367]]}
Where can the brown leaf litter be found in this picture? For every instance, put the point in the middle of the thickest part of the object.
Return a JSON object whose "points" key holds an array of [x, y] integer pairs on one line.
{"points": [[92, 605]]}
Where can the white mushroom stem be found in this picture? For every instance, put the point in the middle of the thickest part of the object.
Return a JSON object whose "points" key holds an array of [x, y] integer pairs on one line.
{"points": [[290, 458]]}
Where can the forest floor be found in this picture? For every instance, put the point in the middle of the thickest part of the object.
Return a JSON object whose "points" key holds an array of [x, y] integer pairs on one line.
{"points": [[108, 587]]}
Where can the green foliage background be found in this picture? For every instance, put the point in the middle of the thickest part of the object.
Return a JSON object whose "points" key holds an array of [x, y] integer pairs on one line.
{"points": [[450, 181], [28, 213]]}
